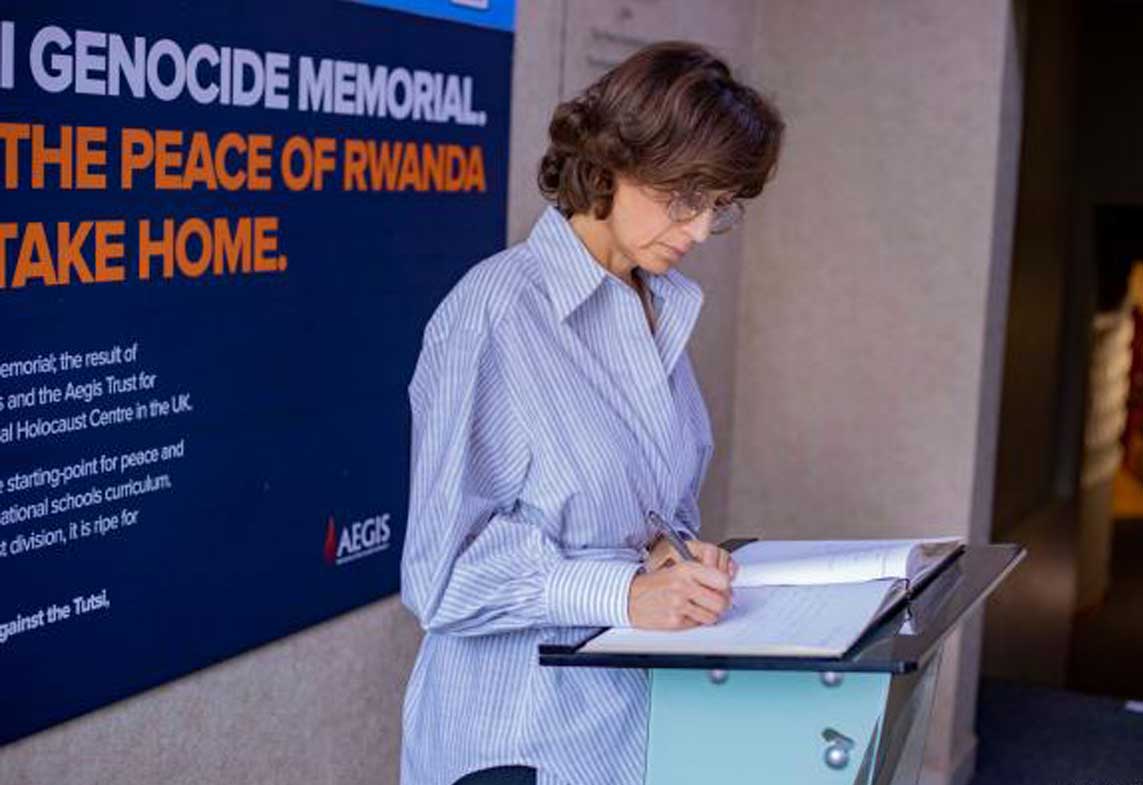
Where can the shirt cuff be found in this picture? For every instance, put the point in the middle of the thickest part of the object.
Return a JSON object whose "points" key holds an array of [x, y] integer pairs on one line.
{"points": [[590, 593]]}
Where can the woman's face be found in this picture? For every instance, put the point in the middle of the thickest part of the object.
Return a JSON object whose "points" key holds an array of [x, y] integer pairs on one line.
{"points": [[645, 234]]}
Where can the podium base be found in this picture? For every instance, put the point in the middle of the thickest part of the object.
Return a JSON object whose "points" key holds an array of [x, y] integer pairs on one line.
{"points": [[742, 727]]}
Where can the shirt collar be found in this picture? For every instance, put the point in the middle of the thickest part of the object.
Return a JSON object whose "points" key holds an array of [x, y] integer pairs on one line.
{"points": [[572, 274]]}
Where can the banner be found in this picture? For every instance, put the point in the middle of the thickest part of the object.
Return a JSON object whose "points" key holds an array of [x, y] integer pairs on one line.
{"points": [[224, 227]]}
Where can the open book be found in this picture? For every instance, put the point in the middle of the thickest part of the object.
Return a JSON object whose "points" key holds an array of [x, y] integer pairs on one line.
{"points": [[810, 562], [799, 598]]}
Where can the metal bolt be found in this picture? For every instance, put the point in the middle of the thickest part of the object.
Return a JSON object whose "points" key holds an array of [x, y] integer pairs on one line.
{"points": [[836, 756], [837, 752]]}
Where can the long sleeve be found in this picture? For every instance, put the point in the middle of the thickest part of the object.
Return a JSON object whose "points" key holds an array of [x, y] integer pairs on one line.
{"points": [[476, 560]]}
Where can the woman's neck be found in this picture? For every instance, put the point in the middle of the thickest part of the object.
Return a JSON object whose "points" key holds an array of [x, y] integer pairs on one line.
{"points": [[597, 238]]}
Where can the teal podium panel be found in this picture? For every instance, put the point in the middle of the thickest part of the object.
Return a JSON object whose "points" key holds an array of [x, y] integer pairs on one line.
{"points": [[858, 719], [798, 726]]}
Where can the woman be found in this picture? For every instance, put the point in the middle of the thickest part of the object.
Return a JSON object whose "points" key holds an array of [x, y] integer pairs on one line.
{"points": [[553, 404]]}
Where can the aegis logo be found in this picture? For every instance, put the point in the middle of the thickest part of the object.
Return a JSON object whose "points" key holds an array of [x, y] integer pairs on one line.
{"points": [[356, 540]]}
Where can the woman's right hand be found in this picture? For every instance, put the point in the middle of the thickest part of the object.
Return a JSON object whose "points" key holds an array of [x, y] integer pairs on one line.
{"points": [[678, 597]]}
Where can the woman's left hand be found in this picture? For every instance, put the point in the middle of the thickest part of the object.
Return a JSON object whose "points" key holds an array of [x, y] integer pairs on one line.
{"points": [[663, 554]]}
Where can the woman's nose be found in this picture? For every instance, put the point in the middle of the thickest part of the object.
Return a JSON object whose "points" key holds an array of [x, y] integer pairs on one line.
{"points": [[699, 226]]}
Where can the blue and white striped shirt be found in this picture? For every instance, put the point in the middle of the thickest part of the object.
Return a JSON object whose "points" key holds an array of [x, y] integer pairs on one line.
{"points": [[547, 418]]}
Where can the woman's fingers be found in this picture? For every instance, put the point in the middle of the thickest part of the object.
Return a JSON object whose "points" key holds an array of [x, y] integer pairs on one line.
{"points": [[679, 597], [700, 614], [710, 554], [709, 599], [688, 623], [707, 576], [704, 552], [708, 589]]}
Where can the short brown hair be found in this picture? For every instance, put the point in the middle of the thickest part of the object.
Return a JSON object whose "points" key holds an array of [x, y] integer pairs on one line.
{"points": [[670, 115]]}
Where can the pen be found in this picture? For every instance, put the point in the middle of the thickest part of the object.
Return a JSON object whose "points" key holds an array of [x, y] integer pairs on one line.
{"points": [[672, 535]]}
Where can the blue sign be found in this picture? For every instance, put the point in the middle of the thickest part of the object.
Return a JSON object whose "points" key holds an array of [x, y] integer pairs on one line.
{"points": [[224, 228], [500, 14]]}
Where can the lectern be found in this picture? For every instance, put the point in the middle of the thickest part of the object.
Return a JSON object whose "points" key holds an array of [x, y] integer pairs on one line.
{"points": [[860, 719]]}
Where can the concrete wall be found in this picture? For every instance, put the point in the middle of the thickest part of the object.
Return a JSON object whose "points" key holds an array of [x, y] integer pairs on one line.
{"points": [[872, 295], [848, 350]]}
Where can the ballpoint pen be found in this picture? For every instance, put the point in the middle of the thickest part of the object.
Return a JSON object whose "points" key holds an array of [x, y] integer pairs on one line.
{"points": [[671, 535]]}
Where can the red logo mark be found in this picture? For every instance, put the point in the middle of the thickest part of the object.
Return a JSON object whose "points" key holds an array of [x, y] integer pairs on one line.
{"points": [[330, 542]]}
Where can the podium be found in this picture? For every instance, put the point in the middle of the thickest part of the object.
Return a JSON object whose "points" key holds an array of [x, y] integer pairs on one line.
{"points": [[858, 719]]}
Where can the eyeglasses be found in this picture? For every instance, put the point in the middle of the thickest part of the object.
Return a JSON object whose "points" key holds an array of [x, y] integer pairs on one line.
{"points": [[685, 206]]}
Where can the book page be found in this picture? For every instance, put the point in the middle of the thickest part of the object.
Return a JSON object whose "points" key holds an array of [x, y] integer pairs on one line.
{"points": [[803, 562], [929, 555], [820, 621]]}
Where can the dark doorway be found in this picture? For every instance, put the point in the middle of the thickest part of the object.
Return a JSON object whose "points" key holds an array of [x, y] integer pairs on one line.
{"points": [[1079, 231]]}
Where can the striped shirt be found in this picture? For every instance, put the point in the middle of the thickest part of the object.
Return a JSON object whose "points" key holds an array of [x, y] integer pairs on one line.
{"points": [[546, 419]]}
